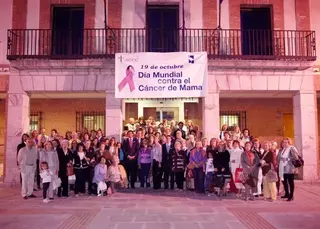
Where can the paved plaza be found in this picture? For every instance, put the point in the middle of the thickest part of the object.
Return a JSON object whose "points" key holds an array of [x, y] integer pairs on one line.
{"points": [[144, 209]]}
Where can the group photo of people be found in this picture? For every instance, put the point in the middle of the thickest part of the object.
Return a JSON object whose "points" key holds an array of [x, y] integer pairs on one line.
{"points": [[168, 155]]}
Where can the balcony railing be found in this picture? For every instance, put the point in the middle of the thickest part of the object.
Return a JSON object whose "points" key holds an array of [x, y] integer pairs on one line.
{"points": [[218, 43]]}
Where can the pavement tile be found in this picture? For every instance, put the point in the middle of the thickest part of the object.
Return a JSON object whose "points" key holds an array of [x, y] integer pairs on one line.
{"points": [[147, 218], [36, 221], [213, 225], [186, 226], [293, 220], [235, 225], [134, 212], [157, 226], [121, 218], [130, 226], [157, 211], [173, 218]]}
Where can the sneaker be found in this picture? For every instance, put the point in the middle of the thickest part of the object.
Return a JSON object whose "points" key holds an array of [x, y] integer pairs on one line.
{"points": [[32, 196], [99, 194], [25, 197], [46, 201], [51, 198]]}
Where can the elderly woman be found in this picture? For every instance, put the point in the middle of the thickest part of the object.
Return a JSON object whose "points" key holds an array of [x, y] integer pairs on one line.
{"points": [[270, 177], [65, 160], [100, 175], [156, 153], [285, 159], [235, 162], [178, 164], [250, 164], [114, 175], [197, 163], [50, 156], [144, 163], [80, 165]]}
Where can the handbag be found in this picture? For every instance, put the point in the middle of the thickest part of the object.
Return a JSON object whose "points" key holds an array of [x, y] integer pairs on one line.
{"points": [[299, 162], [251, 181], [238, 176], [56, 183], [272, 175], [70, 170], [72, 179]]}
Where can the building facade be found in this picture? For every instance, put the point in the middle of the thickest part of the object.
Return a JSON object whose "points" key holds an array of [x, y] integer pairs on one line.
{"points": [[261, 67]]}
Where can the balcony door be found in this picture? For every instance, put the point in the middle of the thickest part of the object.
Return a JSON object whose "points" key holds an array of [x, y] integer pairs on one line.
{"points": [[67, 31], [256, 31], [163, 28]]}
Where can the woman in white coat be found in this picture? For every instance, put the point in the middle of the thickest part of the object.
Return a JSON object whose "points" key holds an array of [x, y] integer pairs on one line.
{"points": [[235, 162], [49, 155]]}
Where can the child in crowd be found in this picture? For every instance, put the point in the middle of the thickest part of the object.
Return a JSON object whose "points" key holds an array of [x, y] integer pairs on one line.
{"points": [[209, 173], [45, 174]]}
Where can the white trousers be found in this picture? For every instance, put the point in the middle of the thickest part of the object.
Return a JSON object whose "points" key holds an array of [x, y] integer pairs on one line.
{"points": [[27, 176], [259, 183], [53, 177]]}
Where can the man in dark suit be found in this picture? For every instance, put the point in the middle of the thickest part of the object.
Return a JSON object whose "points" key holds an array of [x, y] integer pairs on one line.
{"points": [[167, 151], [130, 147], [139, 137], [65, 159]]}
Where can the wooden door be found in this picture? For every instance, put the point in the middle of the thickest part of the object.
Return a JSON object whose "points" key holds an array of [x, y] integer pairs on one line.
{"points": [[149, 111], [288, 126]]}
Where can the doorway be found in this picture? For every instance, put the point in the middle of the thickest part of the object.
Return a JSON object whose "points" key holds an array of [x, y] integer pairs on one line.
{"points": [[256, 30], [288, 126], [67, 31], [163, 28]]}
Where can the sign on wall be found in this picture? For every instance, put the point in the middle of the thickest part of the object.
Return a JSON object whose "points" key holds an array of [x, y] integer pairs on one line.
{"points": [[161, 75]]}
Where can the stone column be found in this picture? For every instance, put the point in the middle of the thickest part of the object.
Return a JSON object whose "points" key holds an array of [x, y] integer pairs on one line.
{"points": [[305, 132], [113, 122], [17, 124], [211, 115]]}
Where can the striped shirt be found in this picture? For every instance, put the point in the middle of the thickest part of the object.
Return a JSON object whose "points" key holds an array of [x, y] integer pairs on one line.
{"points": [[178, 161]]}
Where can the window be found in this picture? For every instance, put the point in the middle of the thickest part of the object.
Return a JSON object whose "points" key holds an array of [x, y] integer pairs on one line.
{"points": [[35, 121], [92, 120], [233, 118], [67, 30]]}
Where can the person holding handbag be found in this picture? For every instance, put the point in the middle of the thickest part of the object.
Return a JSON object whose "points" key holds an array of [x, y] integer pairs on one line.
{"points": [[250, 164], [65, 163], [270, 176], [286, 158]]}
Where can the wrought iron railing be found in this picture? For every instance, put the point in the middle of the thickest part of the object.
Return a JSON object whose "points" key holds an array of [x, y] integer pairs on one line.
{"points": [[218, 43]]}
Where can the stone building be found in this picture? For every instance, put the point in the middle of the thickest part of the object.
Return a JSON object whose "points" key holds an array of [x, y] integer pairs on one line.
{"points": [[61, 55]]}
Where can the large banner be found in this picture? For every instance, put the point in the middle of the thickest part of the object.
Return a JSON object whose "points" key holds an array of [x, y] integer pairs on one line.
{"points": [[161, 75]]}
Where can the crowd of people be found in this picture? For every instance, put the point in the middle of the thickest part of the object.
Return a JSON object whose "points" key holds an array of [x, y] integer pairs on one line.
{"points": [[169, 155]]}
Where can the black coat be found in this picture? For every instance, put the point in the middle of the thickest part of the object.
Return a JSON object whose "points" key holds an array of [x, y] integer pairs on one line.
{"points": [[167, 157], [222, 160], [64, 159], [130, 151], [78, 162]]}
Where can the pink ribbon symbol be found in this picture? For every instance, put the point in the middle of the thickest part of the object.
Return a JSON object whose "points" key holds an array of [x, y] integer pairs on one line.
{"points": [[127, 80]]}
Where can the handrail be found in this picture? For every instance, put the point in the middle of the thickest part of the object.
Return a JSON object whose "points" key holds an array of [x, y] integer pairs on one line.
{"points": [[217, 42]]}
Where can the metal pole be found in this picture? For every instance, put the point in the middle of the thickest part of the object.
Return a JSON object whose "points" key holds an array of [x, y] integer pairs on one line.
{"points": [[219, 26], [219, 23], [105, 14], [183, 27]]}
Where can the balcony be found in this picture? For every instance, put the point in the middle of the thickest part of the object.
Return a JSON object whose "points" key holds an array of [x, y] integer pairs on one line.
{"points": [[218, 43]]}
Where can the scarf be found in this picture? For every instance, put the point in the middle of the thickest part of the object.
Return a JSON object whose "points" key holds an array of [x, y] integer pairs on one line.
{"points": [[285, 153], [250, 156]]}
